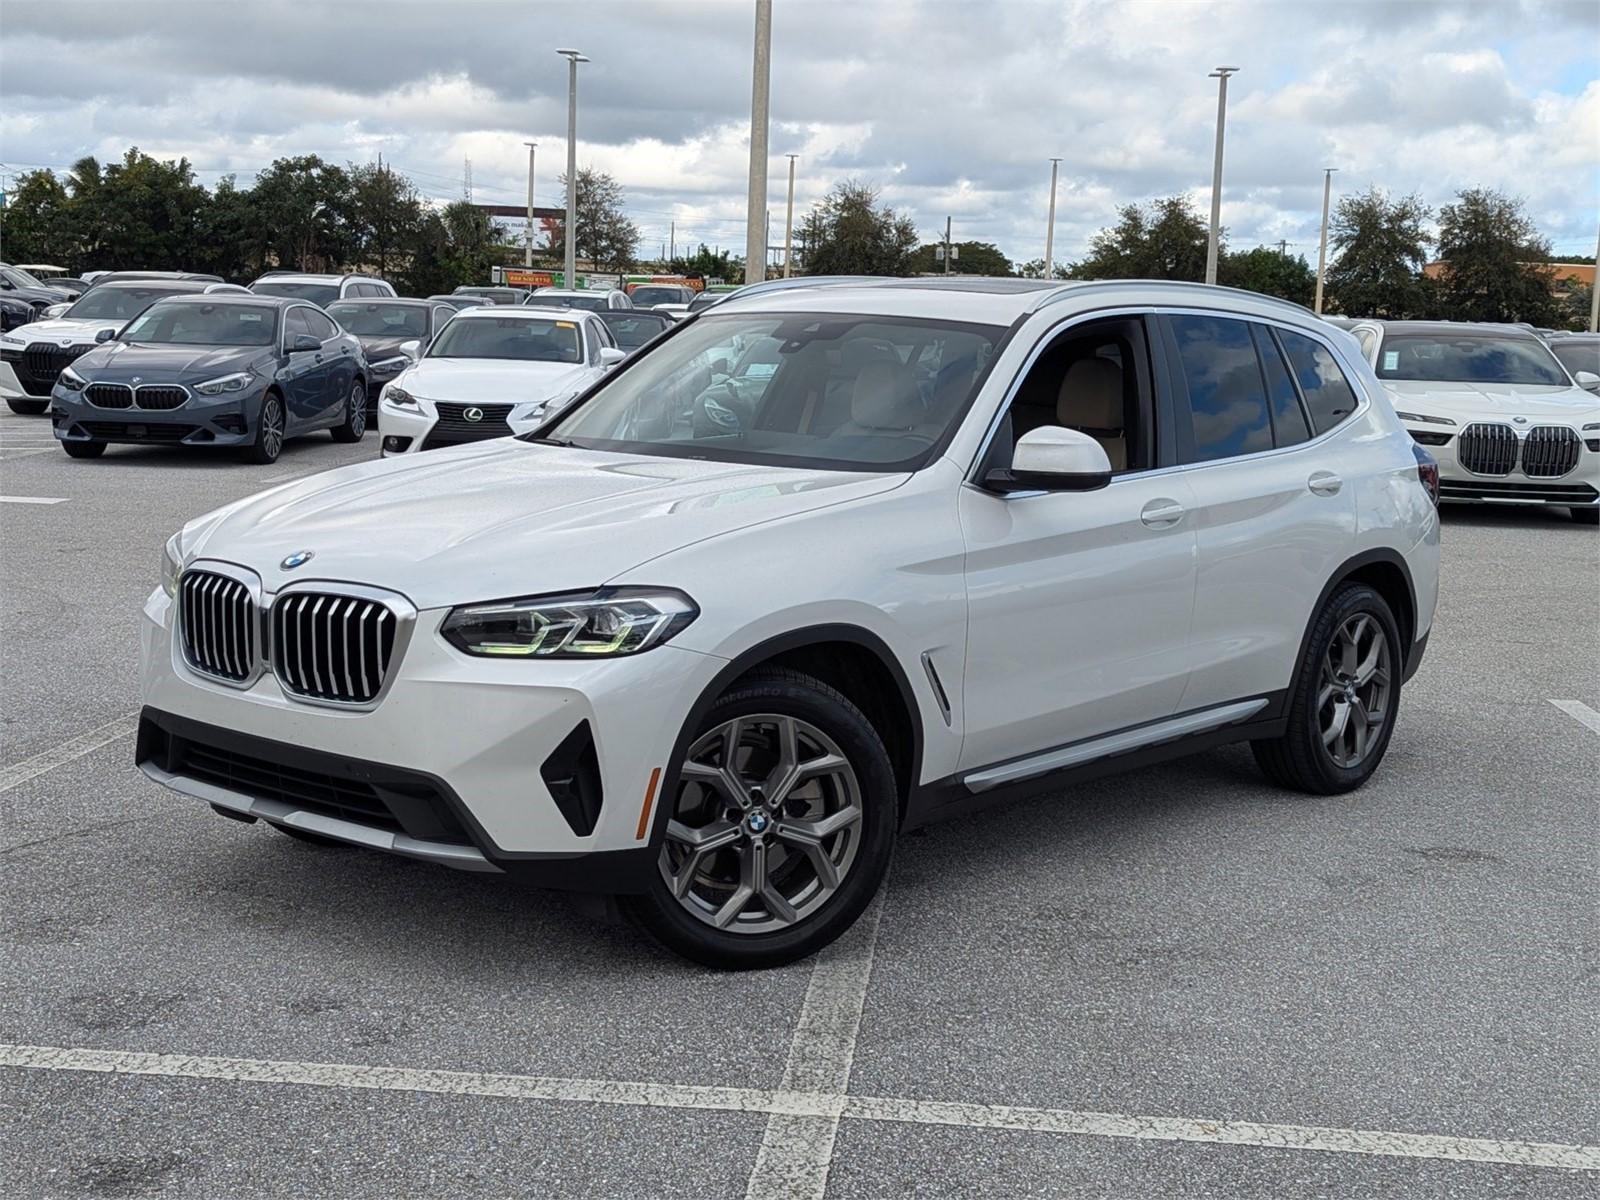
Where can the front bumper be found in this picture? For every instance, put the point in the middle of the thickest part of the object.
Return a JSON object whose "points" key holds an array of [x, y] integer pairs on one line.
{"points": [[1578, 488], [410, 430], [226, 420], [461, 761], [13, 385]]}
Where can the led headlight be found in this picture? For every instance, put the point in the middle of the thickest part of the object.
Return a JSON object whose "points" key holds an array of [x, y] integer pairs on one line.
{"points": [[171, 565], [71, 380], [609, 623], [392, 364], [1422, 419], [1591, 425], [399, 397], [13, 343], [236, 382]]}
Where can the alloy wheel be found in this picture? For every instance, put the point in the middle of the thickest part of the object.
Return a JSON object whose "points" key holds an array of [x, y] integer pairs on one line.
{"points": [[1354, 689], [271, 426], [766, 824], [358, 410]]}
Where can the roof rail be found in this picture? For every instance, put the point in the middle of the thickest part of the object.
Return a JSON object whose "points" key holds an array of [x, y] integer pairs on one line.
{"points": [[1075, 287], [802, 281]]}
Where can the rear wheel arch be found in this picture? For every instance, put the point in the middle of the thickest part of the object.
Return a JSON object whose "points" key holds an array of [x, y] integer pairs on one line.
{"points": [[1385, 571]]}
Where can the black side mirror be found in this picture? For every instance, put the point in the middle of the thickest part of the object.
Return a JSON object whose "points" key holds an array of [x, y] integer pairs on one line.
{"points": [[106, 335], [302, 342]]}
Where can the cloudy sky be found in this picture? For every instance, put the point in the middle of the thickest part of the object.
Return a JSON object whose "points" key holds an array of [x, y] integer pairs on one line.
{"points": [[952, 107]]}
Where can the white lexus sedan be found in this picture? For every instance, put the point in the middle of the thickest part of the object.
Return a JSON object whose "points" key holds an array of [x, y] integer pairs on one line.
{"points": [[1505, 419], [716, 635], [492, 372]]}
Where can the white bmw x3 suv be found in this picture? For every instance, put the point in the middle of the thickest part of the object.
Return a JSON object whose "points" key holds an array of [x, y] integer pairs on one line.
{"points": [[1506, 421], [492, 372], [711, 647]]}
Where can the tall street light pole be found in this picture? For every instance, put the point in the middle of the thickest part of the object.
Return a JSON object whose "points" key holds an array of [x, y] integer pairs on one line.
{"points": [[527, 258], [788, 219], [570, 264], [1322, 242], [755, 244], [1050, 224], [1594, 298], [1221, 76]]}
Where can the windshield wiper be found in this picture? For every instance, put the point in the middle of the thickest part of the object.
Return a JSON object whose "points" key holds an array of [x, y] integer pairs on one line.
{"points": [[545, 441]]}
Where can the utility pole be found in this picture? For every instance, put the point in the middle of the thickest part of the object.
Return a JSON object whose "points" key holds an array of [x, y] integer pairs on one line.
{"points": [[1283, 247], [788, 221], [947, 245], [569, 277], [527, 258], [1322, 241], [755, 251], [1221, 76], [1050, 224], [673, 235]]}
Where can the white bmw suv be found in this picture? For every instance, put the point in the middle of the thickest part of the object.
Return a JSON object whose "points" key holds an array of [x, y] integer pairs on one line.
{"points": [[710, 639]]}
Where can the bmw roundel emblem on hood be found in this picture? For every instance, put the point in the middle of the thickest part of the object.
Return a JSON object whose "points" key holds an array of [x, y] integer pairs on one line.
{"points": [[298, 559], [472, 414]]}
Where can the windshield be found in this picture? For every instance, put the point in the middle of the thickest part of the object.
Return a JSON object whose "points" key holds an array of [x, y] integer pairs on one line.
{"points": [[18, 278], [317, 293], [633, 329], [509, 337], [644, 297], [380, 320], [1453, 358], [205, 325], [849, 393], [117, 303], [556, 300], [1574, 356]]}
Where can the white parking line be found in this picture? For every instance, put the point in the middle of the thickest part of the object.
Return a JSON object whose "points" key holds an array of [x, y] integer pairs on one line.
{"points": [[812, 1105], [1579, 712], [796, 1150], [84, 743], [34, 499]]}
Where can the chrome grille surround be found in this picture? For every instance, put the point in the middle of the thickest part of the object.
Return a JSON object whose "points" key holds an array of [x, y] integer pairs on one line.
{"points": [[1549, 451], [1487, 448], [218, 620], [338, 644]]}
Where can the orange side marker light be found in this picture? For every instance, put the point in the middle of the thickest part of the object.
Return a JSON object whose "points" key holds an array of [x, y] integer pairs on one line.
{"points": [[649, 802]]}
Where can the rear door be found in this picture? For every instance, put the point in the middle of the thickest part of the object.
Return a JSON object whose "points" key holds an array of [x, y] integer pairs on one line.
{"points": [[1273, 515]]}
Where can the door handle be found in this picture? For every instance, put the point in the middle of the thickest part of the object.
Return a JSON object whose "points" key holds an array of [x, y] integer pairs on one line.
{"points": [[319, 358], [1324, 483], [1161, 514]]}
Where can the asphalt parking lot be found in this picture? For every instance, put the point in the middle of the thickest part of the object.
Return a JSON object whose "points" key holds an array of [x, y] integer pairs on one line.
{"points": [[1179, 981]]}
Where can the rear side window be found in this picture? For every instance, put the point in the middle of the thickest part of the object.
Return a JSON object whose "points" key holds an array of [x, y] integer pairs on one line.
{"points": [[1227, 402], [1329, 396], [1288, 418]]}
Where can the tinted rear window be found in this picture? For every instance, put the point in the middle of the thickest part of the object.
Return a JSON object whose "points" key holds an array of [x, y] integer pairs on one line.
{"points": [[1227, 403], [1288, 418], [1329, 396]]}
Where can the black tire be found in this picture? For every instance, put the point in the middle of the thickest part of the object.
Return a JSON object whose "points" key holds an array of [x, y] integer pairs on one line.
{"points": [[354, 425], [266, 448], [1300, 759], [315, 839], [787, 693], [84, 449], [27, 408], [1585, 516]]}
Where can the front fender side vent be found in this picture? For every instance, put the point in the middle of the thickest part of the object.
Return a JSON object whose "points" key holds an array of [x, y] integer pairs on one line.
{"points": [[572, 775]]}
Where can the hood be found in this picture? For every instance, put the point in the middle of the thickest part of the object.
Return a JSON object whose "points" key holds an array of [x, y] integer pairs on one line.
{"points": [[506, 518], [40, 295], [118, 362], [1492, 400], [491, 381], [65, 331]]}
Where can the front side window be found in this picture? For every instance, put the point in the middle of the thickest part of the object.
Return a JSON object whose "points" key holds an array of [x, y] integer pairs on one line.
{"points": [[1468, 358], [1329, 396], [376, 319], [317, 293], [205, 325], [842, 392], [515, 338], [592, 337], [321, 327], [1227, 401]]}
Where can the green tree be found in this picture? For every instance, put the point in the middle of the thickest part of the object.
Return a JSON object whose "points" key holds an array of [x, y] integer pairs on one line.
{"points": [[138, 211], [605, 236], [304, 206], [228, 234], [1034, 269], [1289, 277], [1489, 249], [1165, 239], [35, 225], [718, 264], [972, 258], [1382, 245], [385, 216], [847, 233]]}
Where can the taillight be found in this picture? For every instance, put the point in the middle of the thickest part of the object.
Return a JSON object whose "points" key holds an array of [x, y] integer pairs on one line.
{"points": [[1427, 472]]}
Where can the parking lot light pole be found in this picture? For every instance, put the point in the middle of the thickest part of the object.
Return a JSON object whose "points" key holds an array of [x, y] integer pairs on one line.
{"points": [[527, 260], [1050, 224], [570, 263], [1594, 297], [755, 243], [1221, 76], [788, 220], [1322, 242]]}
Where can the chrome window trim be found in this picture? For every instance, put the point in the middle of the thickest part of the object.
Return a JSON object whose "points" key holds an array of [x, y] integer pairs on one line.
{"points": [[252, 583], [1364, 400], [405, 615]]}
